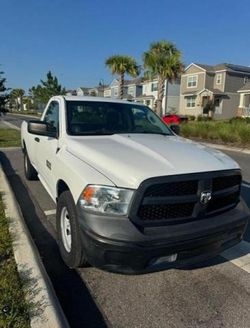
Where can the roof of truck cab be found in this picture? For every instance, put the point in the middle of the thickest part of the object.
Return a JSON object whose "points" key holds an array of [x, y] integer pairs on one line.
{"points": [[102, 99]]}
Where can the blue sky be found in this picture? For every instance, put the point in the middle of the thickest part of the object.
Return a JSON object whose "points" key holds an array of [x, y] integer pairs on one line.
{"points": [[73, 38]]}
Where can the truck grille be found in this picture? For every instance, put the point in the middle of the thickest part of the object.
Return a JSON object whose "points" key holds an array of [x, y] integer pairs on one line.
{"points": [[176, 199], [166, 211], [178, 188]]}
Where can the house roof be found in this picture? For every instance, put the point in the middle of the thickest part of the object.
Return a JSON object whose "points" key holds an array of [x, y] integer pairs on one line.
{"points": [[85, 88], [138, 80], [204, 66], [225, 66], [245, 87], [99, 87], [214, 91], [217, 92]]}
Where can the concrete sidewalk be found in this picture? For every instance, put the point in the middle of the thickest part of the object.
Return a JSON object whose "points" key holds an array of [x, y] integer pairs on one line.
{"points": [[48, 312]]}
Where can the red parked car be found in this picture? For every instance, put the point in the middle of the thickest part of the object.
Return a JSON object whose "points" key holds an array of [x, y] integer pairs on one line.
{"points": [[171, 119]]}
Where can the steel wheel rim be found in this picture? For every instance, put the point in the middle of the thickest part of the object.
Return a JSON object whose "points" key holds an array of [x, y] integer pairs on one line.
{"points": [[66, 229]]}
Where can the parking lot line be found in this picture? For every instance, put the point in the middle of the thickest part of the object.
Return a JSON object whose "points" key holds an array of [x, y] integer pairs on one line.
{"points": [[245, 185], [50, 212], [239, 255]]}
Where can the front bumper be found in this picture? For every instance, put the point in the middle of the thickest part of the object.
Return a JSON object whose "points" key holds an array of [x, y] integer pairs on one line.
{"points": [[116, 244]]}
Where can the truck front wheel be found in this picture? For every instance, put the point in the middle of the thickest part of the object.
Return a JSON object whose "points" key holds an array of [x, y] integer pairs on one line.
{"points": [[69, 240]]}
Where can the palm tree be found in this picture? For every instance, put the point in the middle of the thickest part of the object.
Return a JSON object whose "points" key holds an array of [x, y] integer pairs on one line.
{"points": [[162, 61], [122, 65], [17, 95]]}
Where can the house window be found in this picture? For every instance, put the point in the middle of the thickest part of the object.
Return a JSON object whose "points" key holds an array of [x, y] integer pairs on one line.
{"points": [[154, 86], [218, 78], [131, 91], [192, 81], [190, 101], [107, 93], [115, 92], [245, 79]]}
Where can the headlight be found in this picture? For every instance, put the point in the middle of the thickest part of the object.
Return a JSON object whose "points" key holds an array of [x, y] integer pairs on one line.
{"points": [[109, 200]]}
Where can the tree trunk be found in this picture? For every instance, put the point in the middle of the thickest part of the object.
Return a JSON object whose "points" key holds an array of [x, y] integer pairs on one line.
{"points": [[121, 86], [160, 96], [21, 103]]}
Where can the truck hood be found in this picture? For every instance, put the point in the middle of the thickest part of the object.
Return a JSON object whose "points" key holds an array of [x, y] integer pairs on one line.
{"points": [[128, 159]]}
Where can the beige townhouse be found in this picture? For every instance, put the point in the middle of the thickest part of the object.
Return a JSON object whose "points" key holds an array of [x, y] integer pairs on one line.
{"points": [[220, 84]]}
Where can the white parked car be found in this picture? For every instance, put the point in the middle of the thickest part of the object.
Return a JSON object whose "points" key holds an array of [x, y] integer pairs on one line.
{"points": [[131, 195]]}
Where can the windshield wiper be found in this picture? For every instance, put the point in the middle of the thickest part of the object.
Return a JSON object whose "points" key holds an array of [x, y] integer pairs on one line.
{"points": [[161, 133]]}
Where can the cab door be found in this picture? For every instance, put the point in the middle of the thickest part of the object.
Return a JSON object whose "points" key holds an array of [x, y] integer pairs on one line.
{"points": [[47, 148]]}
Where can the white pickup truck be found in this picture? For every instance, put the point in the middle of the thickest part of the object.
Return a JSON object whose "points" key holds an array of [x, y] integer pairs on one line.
{"points": [[132, 196]]}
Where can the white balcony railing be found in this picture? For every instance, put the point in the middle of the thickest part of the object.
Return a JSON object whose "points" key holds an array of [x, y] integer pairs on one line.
{"points": [[246, 111]]}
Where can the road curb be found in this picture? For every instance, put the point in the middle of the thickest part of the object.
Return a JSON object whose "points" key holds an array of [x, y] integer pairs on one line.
{"points": [[12, 126], [223, 147], [25, 115], [28, 259]]}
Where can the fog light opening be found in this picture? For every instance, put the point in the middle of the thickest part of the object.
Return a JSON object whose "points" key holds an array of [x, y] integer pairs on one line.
{"points": [[168, 258]]}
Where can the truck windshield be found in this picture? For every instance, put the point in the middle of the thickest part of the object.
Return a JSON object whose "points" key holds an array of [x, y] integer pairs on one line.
{"points": [[106, 118]]}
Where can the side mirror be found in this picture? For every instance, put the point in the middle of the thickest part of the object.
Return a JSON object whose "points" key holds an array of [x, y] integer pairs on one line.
{"points": [[41, 128], [175, 128]]}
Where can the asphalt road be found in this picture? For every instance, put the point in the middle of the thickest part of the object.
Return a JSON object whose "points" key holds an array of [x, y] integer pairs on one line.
{"points": [[216, 294]]}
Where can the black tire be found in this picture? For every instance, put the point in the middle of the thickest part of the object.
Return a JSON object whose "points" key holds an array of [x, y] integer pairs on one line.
{"points": [[29, 170], [73, 256]]}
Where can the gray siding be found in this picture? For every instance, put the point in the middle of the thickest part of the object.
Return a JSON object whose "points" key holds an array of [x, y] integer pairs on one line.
{"points": [[229, 107], [172, 104], [233, 82], [209, 81], [173, 89]]}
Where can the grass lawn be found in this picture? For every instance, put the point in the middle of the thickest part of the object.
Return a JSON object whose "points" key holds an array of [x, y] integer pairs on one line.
{"points": [[13, 307], [235, 132], [10, 138]]}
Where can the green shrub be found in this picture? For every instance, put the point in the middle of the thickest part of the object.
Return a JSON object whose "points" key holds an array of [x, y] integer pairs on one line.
{"points": [[201, 118], [235, 131], [191, 117], [240, 120], [244, 134]]}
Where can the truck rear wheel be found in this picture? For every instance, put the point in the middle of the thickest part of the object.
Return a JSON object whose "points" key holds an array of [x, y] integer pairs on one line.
{"points": [[67, 226], [29, 170]]}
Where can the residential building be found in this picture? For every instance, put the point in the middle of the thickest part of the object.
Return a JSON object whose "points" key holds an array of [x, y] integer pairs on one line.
{"points": [[170, 103], [107, 92], [219, 84], [132, 89], [244, 102], [95, 91], [71, 92], [82, 91]]}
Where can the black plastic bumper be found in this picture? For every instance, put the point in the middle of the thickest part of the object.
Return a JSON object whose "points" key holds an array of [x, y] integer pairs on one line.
{"points": [[148, 250]]}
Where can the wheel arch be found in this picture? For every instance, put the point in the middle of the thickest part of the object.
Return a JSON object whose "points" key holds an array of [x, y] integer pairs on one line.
{"points": [[61, 187], [23, 145]]}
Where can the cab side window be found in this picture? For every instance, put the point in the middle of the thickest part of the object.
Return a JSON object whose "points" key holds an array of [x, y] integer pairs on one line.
{"points": [[52, 116]]}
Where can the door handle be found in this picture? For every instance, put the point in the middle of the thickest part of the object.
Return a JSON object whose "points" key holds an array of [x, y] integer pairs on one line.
{"points": [[37, 139]]}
